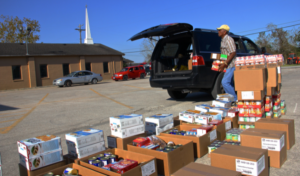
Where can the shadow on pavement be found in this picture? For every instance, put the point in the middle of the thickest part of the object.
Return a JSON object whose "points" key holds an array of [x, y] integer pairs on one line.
{"points": [[6, 108]]}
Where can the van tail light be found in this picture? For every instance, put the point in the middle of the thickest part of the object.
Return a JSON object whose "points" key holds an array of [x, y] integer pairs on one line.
{"points": [[198, 60]]}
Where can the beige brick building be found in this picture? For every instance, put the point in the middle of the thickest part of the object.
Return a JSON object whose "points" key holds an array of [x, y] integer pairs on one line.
{"points": [[47, 62]]}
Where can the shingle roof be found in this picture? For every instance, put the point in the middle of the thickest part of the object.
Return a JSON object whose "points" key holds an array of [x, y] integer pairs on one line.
{"points": [[46, 49], [127, 60]]}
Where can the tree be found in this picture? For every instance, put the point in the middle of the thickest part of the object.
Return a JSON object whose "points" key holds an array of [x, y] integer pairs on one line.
{"points": [[147, 47], [9, 32]]}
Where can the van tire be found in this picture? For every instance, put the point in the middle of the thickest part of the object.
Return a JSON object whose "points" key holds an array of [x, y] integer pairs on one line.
{"points": [[142, 76], [218, 87], [175, 94], [125, 78]]}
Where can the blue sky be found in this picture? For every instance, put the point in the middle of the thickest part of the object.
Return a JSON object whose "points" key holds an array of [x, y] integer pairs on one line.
{"points": [[113, 22]]}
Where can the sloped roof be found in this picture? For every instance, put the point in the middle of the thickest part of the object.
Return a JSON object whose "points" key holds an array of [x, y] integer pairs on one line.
{"points": [[47, 49], [127, 60]]}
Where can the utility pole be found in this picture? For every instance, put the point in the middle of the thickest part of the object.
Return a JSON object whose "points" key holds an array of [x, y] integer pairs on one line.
{"points": [[80, 30]]}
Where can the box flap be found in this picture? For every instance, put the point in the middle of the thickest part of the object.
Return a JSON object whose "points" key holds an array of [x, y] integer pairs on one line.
{"points": [[263, 133], [275, 121]]}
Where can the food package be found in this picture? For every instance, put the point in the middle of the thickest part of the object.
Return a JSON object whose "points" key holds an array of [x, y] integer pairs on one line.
{"points": [[44, 159], [126, 121], [140, 141], [33, 147], [128, 132], [157, 141], [189, 115], [85, 151], [150, 146], [259, 60], [239, 61], [215, 122], [85, 137], [160, 119], [203, 107], [221, 111], [123, 166], [203, 129], [228, 97], [70, 171], [204, 119], [280, 58], [221, 104], [215, 56], [250, 104], [153, 129], [232, 112], [249, 60], [271, 59]]}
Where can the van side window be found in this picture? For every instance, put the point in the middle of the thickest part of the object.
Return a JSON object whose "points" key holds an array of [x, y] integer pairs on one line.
{"points": [[141, 68], [131, 69], [250, 47], [136, 68], [238, 46]]}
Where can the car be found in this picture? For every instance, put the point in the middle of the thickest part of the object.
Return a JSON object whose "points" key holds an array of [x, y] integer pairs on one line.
{"points": [[131, 72], [195, 47], [78, 77]]}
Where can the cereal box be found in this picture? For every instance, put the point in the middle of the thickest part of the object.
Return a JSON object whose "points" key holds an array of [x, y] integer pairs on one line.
{"points": [[85, 151], [189, 115], [160, 119], [128, 132], [85, 137], [126, 121], [153, 129]]}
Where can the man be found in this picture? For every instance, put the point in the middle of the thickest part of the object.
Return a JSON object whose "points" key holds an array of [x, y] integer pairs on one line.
{"points": [[228, 48]]}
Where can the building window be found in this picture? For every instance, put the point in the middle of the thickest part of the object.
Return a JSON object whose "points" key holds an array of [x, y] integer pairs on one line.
{"points": [[44, 71], [105, 67], [66, 69], [88, 66], [16, 71]]}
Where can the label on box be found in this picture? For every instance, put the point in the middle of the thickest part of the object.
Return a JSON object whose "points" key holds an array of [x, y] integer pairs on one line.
{"points": [[214, 56], [148, 168], [250, 167], [213, 135], [231, 114], [111, 142], [278, 70], [271, 144], [228, 125], [247, 95]]}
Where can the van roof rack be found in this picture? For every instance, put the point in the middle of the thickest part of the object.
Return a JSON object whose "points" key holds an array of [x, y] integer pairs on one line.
{"points": [[210, 30]]}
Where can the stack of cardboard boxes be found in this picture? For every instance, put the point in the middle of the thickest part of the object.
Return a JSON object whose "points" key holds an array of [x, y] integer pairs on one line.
{"points": [[40, 151], [85, 142], [250, 80]]}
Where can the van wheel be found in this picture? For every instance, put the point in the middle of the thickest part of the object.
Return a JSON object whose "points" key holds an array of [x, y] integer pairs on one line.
{"points": [[125, 78], [142, 76], [68, 83], [175, 94], [218, 87]]}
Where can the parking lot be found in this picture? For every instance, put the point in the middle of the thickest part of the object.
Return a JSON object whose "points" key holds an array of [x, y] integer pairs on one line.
{"points": [[52, 110]]}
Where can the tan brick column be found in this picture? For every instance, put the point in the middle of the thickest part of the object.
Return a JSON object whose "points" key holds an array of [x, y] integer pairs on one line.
{"points": [[82, 63], [31, 72]]}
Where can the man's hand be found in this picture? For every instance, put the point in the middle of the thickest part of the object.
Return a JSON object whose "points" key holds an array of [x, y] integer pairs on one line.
{"points": [[222, 67]]}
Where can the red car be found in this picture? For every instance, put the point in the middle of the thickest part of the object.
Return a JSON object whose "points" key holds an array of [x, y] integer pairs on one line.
{"points": [[130, 72]]}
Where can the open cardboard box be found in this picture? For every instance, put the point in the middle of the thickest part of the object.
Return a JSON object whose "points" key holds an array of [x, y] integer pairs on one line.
{"points": [[121, 143], [168, 163], [286, 125], [82, 171], [142, 159], [200, 143], [221, 129]]}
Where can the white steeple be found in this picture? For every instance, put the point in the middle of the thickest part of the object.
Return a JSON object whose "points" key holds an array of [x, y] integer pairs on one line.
{"points": [[88, 39]]}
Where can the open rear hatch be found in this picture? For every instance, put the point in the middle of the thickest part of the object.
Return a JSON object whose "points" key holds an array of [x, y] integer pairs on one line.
{"points": [[163, 30]]}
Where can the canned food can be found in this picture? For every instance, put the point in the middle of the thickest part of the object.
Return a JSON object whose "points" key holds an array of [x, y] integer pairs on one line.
{"points": [[241, 119], [235, 137], [160, 150], [252, 126], [107, 154], [99, 156], [211, 148], [92, 159], [246, 119], [96, 163], [56, 175], [246, 103], [170, 144], [112, 159], [228, 136], [104, 161], [247, 126], [242, 110], [167, 150], [257, 118], [49, 174], [252, 119]]}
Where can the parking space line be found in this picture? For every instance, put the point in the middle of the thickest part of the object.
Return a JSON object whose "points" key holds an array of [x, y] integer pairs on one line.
{"points": [[111, 99], [12, 116], [7, 129], [13, 112], [136, 87], [8, 121]]}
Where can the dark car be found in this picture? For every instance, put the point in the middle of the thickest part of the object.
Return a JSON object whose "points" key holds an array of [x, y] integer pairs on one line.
{"points": [[181, 38]]}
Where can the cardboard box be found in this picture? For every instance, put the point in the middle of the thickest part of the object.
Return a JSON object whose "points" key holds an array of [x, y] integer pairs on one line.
{"points": [[279, 74], [41, 160], [248, 160], [250, 95], [121, 143], [36, 146], [203, 107], [82, 171], [286, 125], [176, 121], [85, 151], [215, 56], [168, 163], [200, 142], [270, 91], [127, 132], [189, 115], [160, 119], [147, 164], [190, 64], [273, 141], [125, 121], [221, 104], [153, 129], [250, 80], [85, 137], [272, 78], [221, 111], [234, 121], [204, 119], [24, 172], [197, 169]]}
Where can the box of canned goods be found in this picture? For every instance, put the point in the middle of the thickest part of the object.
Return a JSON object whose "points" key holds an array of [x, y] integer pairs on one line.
{"points": [[36, 146], [126, 121], [160, 119], [85, 151], [85, 137], [41, 160]]}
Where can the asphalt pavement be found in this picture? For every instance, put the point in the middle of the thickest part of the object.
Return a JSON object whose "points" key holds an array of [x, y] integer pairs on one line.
{"points": [[51, 110]]}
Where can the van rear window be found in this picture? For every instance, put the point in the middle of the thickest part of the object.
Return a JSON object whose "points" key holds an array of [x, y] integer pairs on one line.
{"points": [[170, 50], [209, 41]]}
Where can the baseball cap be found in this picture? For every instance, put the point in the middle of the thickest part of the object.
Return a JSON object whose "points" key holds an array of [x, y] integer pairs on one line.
{"points": [[225, 27]]}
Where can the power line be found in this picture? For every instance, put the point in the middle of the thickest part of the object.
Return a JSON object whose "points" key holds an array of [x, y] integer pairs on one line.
{"points": [[264, 27], [273, 29]]}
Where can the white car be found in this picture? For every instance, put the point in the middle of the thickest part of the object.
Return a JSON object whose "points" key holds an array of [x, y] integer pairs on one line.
{"points": [[78, 77]]}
